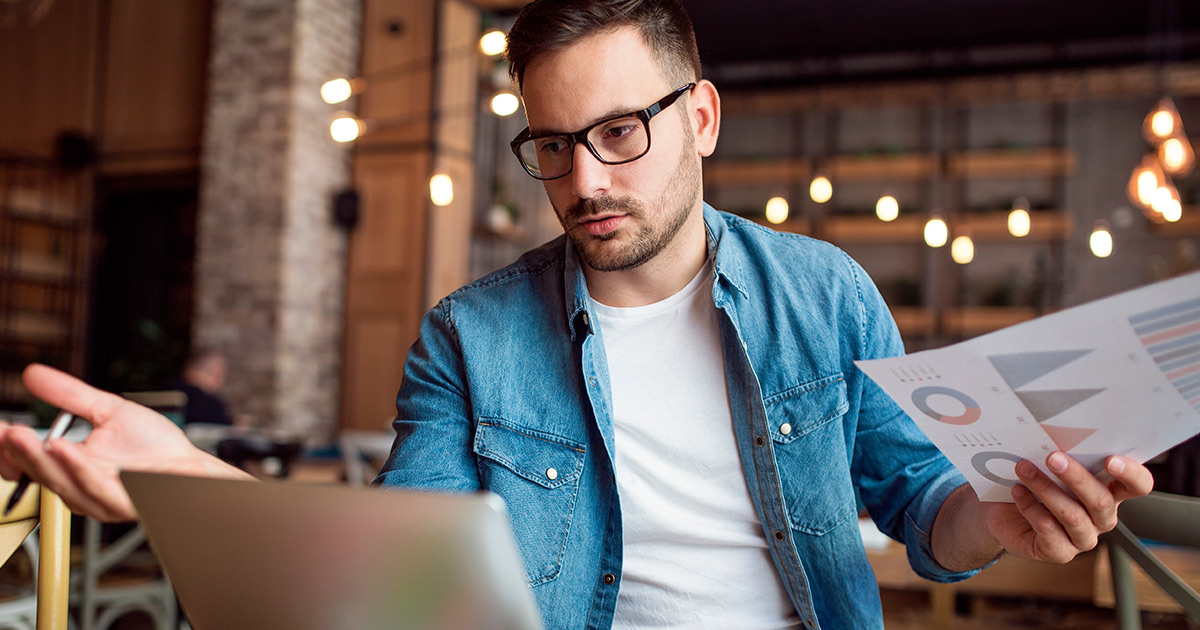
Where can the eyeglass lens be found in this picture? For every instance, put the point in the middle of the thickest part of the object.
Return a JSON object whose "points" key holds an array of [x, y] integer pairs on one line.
{"points": [[612, 141]]}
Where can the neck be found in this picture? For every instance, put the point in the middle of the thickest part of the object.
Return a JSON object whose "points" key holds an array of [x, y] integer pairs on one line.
{"points": [[658, 278]]}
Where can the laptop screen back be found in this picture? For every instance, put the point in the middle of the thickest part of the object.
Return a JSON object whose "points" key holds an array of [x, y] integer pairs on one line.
{"points": [[261, 555]]}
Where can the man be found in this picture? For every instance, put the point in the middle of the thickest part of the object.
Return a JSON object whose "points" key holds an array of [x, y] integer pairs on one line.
{"points": [[202, 379], [666, 396]]}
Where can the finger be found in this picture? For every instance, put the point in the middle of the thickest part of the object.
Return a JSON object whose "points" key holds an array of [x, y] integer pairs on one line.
{"points": [[1130, 479], [102, 495], [29, 453], [1089, 491], [1050, 542], [1070, 515], [8, 469], [67, 392]]}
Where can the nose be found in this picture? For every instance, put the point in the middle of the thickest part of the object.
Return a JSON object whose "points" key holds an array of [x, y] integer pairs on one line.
{"points": [[589, 176]]}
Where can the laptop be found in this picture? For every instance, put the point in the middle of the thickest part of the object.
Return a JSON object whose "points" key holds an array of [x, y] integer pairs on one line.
{"points": [[263, 555]]}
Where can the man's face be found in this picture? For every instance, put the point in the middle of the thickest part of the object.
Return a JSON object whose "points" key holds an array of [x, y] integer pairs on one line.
{"points": [[617, 216]]}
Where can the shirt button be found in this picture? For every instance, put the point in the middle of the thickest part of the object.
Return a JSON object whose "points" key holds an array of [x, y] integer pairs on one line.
{"points": [[609, 578], [551, 474], [785, 428], [584, 319]]}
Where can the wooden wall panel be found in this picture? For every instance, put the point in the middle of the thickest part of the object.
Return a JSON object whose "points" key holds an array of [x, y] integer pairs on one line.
{"points": [[397, 52], [48, 78], [384, 282], [154, 86]]}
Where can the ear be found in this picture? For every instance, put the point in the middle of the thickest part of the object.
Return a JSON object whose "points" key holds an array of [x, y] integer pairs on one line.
{"points": [[705, 106]]}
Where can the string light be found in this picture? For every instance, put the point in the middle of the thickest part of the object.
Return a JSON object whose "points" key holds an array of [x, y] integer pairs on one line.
{"points": [[887, 208], [1101, 240], [505, 103], [493, 43], [1019, 222], [936, 231], [821, 189], [962, 250], [1162, 122], [1146, 178], [441, 189], [777, 210], [346, 128], [1176, 156]]}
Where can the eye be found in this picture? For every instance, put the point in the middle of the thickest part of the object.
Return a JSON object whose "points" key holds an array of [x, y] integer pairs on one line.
{"points": [[619, 129], [551, 146]]}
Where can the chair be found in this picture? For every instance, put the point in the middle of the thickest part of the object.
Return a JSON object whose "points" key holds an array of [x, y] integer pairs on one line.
{"points": [[361, 449], [45, 608], [121, 577], [1168, 518]]}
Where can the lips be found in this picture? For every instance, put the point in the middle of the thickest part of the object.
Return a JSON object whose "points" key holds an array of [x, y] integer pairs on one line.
{"points": [[602, 225]]}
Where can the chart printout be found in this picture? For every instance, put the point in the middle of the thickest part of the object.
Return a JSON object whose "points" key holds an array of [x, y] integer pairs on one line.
{"points": [[1116, 376]]}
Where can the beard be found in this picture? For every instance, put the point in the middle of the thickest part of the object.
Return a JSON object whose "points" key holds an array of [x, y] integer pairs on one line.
{"points": [[645, 237]]}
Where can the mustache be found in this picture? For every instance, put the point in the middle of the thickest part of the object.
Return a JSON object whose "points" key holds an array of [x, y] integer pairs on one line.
{"points": [[596, 206]]}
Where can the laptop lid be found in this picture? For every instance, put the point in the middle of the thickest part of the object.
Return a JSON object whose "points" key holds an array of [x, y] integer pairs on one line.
{"points": [[260, 555]]}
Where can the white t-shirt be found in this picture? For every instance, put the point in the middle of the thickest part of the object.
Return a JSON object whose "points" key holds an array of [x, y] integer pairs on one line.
{"points": [[695, 555]]}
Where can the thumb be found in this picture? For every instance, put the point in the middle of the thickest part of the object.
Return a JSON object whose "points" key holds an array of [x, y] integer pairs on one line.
{"points": [[69, 393]]}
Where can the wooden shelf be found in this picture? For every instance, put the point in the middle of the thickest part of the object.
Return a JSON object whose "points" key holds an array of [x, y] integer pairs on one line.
{"points": [[881, 167], [11, 387], [909, 166], [799, 225], [914, 320], [766, 171], [1011, 162], [867, 228], [35, 267], [1044, 225], [34, 328], [1187, 225], [969, 321]]}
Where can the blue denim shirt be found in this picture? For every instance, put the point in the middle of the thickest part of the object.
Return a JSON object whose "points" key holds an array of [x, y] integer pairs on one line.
{"points": [[507, 390]]}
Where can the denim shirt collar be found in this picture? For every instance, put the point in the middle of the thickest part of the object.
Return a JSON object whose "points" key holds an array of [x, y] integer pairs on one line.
{"points": [[727, 268]]}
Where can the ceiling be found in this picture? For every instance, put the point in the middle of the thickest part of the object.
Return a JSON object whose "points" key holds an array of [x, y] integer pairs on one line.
{"points": [[795, 42], [806, 41]]}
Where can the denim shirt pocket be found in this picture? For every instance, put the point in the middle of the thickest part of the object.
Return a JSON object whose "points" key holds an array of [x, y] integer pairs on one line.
{"points": [[810, 453], [538, 475]]}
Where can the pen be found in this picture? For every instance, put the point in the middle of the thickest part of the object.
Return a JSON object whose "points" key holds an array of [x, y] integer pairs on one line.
{"points": [[57, 430]]}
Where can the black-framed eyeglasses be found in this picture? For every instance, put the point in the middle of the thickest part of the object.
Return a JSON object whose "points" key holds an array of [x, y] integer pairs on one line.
{"points": [[615, 140]]}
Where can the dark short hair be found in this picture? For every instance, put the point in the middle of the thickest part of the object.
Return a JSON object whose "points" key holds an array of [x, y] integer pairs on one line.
{"points": [[548, 25]]}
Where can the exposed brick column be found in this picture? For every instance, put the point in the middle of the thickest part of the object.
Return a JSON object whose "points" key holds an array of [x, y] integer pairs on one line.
{"points": [[270, 263]]}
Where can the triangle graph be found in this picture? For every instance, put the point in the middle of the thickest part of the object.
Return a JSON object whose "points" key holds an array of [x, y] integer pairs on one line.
{"points": [[1020, 369], [1023, 368], [1047, 404]]}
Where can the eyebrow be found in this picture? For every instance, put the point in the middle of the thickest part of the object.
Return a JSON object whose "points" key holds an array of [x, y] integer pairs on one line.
{"points": [[612, 113]]}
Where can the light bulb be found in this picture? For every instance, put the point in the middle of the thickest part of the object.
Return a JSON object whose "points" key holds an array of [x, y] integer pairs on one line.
{"points": [[1019, 223], [493, 43], [936, 232], [887, 208], [1177, 156], [346, 128], [962, 250], [1101, 241], [1162, 124], [1146, 178], [777, 210], [336, 91], [1172, 153], [1172, 211], [441, 189], [821, 189], [505, 103]]}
